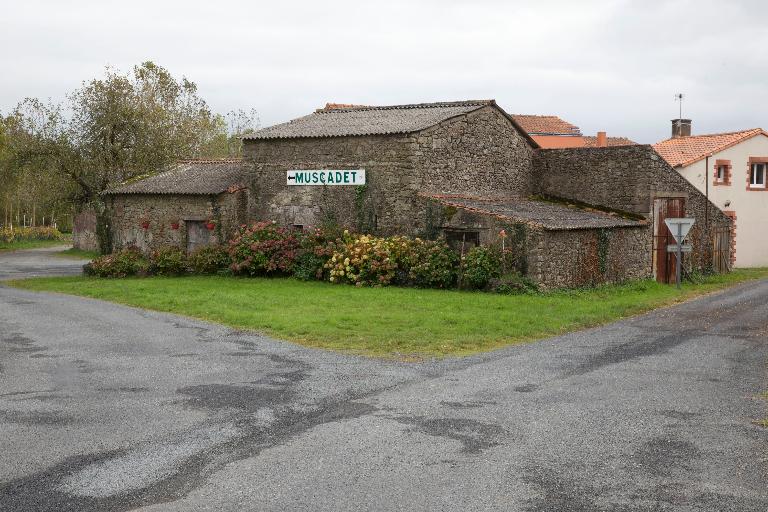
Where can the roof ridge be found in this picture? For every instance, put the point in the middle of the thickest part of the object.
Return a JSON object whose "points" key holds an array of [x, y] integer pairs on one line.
{"points": [[407, 106], [720, 134], [208, 161]]}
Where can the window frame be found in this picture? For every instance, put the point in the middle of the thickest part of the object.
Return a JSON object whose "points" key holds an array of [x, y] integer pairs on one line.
{"points": [[725, 179], [754, 164]]}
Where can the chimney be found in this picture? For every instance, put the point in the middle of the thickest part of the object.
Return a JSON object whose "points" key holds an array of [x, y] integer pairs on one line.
{"points": [[602, 140], [681, 128]]}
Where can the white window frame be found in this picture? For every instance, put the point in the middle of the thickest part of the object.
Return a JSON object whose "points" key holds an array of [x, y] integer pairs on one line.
{"points": [[753, 183]]}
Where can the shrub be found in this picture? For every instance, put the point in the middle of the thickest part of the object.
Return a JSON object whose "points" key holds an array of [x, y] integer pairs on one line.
{"points": [[127, 262], [167, 261], [211, 259], [316, 249], [479, 266], [430, 264], [8, 235], [365, 260], [264, 249]]}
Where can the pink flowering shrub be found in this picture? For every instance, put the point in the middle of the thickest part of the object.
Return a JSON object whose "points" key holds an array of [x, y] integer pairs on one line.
{"points": [[264, 249]]}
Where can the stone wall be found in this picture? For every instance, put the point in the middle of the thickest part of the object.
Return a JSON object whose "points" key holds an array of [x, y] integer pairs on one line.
{"points": [[477, 154], [562, 258], [162, 212], [627, 178], [84, 231], [587, 257]]}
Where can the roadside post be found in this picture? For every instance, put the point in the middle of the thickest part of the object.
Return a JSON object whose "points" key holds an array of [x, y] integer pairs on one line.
{"points": [[679, 227]]}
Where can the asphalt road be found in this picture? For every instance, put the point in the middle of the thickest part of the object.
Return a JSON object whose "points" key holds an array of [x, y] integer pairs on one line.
{"points": [[104, 407]]}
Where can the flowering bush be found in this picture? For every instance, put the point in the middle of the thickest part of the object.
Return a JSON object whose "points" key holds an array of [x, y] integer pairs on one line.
{"points": [[431, 264], [127, 262], [373, 261], [264, 249], [365, 260], [8, 235], [316, 248], [167, 261], [210, 259], [479, 266]]}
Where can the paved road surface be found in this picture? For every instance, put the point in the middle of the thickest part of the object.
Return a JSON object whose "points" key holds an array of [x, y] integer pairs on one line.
{"points": [[105, 408], [38, 262]]}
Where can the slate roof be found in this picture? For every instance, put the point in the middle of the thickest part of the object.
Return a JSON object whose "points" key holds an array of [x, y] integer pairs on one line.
{"points": [[338, 120], [542, 214], [591, 142], [682, 151], [545, 125], [189, 177]]}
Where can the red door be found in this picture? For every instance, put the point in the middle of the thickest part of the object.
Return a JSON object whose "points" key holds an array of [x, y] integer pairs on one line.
{"points": [[665, 262]]}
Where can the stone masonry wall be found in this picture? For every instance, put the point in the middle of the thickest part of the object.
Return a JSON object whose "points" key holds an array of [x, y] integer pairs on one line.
{"points": [[84, 231], [476, 154], [563, 258], [479, 154], [626, 178], [129, 211], [586, 257]]}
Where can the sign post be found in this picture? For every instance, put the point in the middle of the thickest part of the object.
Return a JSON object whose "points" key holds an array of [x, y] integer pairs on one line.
{"points": [[679, 227]]}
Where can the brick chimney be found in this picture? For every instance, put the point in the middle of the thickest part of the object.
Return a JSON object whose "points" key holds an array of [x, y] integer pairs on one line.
{"points": [[681, 128], [602, 140]]}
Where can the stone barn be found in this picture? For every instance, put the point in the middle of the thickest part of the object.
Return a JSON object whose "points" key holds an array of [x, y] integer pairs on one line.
{"points": [[194, 203], [462, 170]]}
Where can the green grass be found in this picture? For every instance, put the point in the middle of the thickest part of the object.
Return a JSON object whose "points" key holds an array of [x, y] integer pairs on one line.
{"points": [[31, 244], [399, 322], [77, 254]]}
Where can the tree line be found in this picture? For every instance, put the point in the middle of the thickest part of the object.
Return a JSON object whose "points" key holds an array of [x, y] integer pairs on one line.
{"points": [[58, 158]]}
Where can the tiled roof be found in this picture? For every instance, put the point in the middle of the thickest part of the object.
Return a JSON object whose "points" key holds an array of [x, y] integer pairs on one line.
{"points": [[545, 125], [682, 151], [542, 214], [591, 142], [368, 120], [189, 177]]}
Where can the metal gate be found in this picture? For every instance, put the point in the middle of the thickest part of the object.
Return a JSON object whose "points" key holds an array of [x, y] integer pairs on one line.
{"points": [[664, 262], [721, 248]]}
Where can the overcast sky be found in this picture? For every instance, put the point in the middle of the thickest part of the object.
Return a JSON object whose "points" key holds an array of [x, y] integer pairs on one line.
{"points": [[602, 65]]}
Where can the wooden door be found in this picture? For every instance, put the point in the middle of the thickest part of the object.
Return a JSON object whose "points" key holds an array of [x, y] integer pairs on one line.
{"points": [[665, 262], [198, 235]]}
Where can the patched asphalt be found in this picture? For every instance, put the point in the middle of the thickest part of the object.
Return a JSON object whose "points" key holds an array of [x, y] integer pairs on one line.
{"points": [[106, 408]]}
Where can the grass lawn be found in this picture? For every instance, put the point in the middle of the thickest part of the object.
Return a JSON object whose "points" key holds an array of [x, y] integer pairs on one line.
{"points": [[399, 322], [77, 254], [31, 244]]}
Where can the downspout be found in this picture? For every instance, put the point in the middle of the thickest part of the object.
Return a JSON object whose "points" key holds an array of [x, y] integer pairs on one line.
{"points": [[706, 187]]}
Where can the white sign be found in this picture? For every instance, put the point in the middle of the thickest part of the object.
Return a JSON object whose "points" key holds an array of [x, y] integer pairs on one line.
{"points": [[326, 177], [679, 227]]}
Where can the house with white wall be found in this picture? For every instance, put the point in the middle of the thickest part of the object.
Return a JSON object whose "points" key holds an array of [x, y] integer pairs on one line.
{"points": [[731, 169]]}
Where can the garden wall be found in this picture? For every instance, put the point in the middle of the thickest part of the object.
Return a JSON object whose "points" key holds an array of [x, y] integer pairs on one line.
{"points": [[84, 231]]}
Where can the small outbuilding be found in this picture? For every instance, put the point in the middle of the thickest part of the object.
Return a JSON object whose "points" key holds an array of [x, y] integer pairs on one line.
{"points": [[194, 203]]}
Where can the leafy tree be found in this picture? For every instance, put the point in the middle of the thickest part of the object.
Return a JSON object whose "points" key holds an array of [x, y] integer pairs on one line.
{"points": [[119, 127]]}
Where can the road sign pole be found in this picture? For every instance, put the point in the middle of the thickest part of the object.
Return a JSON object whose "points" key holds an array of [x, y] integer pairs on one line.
{"points": [[679, 252]]}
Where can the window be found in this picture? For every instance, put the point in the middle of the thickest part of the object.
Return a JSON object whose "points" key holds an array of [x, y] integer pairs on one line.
{"points": [[757, 175], [462, 241], [722, 172]]}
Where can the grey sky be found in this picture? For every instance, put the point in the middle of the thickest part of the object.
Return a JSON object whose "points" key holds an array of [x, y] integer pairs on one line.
{"points": [[603, 65]]}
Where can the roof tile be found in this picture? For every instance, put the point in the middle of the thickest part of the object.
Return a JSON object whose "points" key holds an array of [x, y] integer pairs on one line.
{"points": [[682, 151], [189, 177]]}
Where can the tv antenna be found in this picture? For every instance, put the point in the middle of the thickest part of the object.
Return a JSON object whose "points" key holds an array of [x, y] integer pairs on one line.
{"points": [[679, 97]]}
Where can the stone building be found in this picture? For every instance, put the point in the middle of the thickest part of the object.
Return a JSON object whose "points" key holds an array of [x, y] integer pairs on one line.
{"points": [[463, 170], [194, 203]]}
